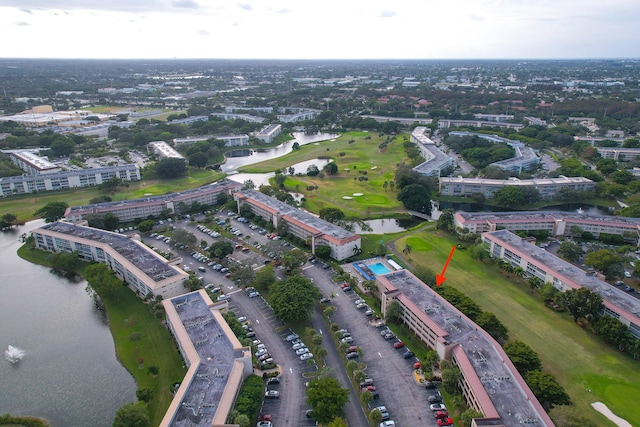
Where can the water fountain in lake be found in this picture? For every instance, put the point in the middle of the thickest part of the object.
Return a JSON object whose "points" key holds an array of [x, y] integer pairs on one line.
{"points": [[13, 354]]}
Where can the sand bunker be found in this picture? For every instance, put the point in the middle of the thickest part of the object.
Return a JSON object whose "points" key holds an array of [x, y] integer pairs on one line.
{"points": [[347, 197], [604, 410]]}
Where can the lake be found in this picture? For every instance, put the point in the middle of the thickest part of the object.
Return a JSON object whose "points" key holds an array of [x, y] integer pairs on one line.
{"points": [[69, 374]]}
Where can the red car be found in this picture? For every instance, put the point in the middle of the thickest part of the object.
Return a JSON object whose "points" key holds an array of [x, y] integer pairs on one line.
{"points": [[416, 365], [399, 344], [265, 417], [445, 422], [441, 414], [369, 388]]}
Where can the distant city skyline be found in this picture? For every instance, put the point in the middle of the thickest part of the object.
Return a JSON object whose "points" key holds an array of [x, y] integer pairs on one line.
{"points": [[330, 29]]}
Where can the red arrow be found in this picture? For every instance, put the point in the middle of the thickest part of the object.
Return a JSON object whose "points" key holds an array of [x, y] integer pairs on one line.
{"points": [[440, 277]]}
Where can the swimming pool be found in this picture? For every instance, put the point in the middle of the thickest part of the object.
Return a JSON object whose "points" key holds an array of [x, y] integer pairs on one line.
{"points": [[378, 268]]}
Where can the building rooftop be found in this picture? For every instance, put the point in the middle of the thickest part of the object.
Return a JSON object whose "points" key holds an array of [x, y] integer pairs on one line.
{"points": [[33, 159], [165, 150], [284, 209], [437, 159], [65, 174], [515, 181], [577, 276], [140, 256], [528, 216], [484, 354], [217, 355], [269, 129]]}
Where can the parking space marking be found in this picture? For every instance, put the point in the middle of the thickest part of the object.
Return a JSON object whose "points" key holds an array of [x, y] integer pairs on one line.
{"points": [[310, 266], [380, 355]]}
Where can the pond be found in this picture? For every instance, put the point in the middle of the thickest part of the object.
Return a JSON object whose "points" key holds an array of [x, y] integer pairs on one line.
{"points": [[263, 178]]}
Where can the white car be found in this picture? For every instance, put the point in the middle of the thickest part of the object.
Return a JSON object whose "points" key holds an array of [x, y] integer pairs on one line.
{"points": [[389, 423], [438, 407], [302, 350], [306, 356], [359, 301], [272, 394], [347, 340], [297, 346]]}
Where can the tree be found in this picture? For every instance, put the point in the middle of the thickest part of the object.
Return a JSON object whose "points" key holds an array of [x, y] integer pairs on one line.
{"points": [[153, 370], [293, 299], [394, 311], [243, 275], [323, 251], [248, 185], [445, 221], [327, 398], [330, 168], [607, 166], [570, 251], [583, 303], [181, 236], [331, 214], [192, 283], [545, 387], [606, 261], [198, 160], [132, 415], [171, 168], [62, 147], [450, 378], [52, 211], [294, 259], [264, 278], [490, 323], [510, 195], [144, 394], [220, 249], [279, 180], [478, 252], [146, 225], [523, 357], [312, 170], [102, 280], [416, 197], [7, 220], [64, 261], [111, 184]]}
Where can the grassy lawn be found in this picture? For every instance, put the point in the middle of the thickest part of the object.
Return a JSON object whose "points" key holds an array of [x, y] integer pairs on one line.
{"points": [[579, 360], [25, 205], [360, 156], [140, 340]]}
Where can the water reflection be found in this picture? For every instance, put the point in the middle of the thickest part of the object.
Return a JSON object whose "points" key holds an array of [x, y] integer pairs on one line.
{"points": [[379, 226], [263, 178], [242, 157]]}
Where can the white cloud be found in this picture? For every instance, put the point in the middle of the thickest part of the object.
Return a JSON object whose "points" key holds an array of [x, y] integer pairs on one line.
{"points": [[245, 6], [387, 14]]}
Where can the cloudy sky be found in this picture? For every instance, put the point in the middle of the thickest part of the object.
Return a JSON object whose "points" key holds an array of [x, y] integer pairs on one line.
{"points": [[320, 29]]}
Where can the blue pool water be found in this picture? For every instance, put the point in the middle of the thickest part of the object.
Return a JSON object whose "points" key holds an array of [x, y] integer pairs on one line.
{"points": [[378, 268]]}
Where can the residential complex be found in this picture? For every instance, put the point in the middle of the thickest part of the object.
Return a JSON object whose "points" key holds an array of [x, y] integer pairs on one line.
{"points": [[405, 121], [232, 116], [142, 269], [556, 223], [499, 118], [229, 140], [21, 184], [489, 381], [617, 153], [525, 158], [294, 115], [447, 123], [303, 225], [217, 363], [31, 163], [548, 187], [563, 275], [269, 133], [164, 150], [137, 209], [435, 160]]}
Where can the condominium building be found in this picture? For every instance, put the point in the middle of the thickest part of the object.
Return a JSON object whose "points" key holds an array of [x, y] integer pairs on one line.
{"points": [[233, 116], [62, 180], [537, 262], [447, 123], [293, 115], [435, 160], [548, 187], [32, 163], [217, 363], [173, 203], [617, 153], [164, 150], [229, 140], [556, 223], [489, 381], [405, 121], [232, 109], [499, 118], [142, 269], [303, 225], [269, 133]]}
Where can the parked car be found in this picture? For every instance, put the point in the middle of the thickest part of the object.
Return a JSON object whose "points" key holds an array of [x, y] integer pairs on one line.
{"points": [[445, 422], [271, 394], [306, 356], [407, 354], [440, 414], [388, 423], [291, 337], [438, 407], [325, 300], [353, 355], [434, 399], [273, 380], [399, 344], [301, 351], [298, 346], [347, 340]]}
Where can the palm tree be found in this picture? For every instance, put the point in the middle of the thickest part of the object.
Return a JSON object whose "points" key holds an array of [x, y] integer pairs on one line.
{"points": [[407, 249], [385, 185], [357, 251]]}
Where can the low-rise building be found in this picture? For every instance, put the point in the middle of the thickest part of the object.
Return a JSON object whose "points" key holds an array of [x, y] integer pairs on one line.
{"points": [[164, 150], [294, 115], [173, 203], [269, 133], [447, 123], [499, 118], [142, 269], [547, 187], [618, 153], [537, 262], [22, 184], [556, 223], [303, 225], [32, 163], [233, 116], [435, 160], [217, 362], [489, 381], [405, 121], [229, 140]]}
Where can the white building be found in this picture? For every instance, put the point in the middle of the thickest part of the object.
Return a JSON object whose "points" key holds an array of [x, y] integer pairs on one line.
{"points": [[32, 163], [447, 123], [435, 160], [142, 269], [269, 133], [229, 140], [164, 150], [12, 185], [547, 187]]}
